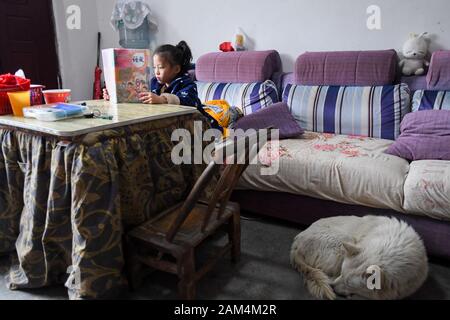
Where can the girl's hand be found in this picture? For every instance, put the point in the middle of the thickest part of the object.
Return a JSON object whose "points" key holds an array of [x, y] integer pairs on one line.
{"points": [[151, 98], [105, 94]]}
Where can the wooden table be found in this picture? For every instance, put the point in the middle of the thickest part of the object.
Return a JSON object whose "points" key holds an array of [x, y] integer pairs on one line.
{"points": [[123, 115], [71, 188]]}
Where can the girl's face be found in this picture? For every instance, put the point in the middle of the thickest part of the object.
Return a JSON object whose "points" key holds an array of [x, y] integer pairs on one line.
{"points": [[164, 72]]}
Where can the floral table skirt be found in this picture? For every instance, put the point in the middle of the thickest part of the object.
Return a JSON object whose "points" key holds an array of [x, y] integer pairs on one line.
{"points": [[64, 205]]}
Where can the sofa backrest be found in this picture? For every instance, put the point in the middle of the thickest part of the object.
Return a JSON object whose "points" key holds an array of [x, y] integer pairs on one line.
{"points": [[350, 68], [238, 67], [414, 82], [241, 78], [438, 77], [347, 92]]}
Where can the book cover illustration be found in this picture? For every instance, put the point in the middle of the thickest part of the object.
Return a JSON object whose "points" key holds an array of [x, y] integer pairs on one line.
{"points": [[127, 73]]}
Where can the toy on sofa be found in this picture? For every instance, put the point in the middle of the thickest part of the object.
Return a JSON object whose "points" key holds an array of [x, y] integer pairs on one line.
{"points": [[414, 52], [225, 115]]}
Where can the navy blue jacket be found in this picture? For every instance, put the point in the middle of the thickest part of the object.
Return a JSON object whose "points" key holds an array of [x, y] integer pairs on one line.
{"points": [[183, 87]]}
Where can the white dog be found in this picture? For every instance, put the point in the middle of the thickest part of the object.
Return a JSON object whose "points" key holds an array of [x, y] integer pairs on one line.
{"points": [[335, 254]]}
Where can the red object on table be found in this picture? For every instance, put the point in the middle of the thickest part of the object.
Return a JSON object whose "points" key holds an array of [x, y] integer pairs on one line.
{"points": [[226, 47], [57, 96], [10, 83], [37, 97]]}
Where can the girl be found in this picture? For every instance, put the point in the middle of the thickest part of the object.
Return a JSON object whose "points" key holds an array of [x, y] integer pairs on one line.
{"points": [[171, 84]]}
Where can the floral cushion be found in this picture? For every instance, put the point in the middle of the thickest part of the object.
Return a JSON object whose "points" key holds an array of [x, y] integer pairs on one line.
{"points": [[344, 168], [427, 188]]}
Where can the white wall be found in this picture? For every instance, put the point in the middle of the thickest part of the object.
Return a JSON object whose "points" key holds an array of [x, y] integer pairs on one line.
{"points": [[290, 26], [77, 49], [110, 38]]}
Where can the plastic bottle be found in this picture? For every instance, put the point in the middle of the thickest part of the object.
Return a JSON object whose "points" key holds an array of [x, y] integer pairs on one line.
{"points": [[239, 43]]}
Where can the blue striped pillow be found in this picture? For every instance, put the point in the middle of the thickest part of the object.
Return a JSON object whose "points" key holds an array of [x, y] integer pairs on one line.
{"points": [[366, 111], [431, 100], [249, 97]]}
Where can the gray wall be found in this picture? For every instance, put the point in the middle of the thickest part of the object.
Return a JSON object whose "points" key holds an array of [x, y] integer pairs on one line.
{"points": [[77, 48], [290, 26]]}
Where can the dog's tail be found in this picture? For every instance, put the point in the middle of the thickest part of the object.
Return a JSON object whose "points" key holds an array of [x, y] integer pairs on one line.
{"points": [[317, 282]]}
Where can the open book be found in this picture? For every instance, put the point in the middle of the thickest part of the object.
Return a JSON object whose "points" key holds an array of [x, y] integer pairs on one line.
{"points": [[127, 73]]}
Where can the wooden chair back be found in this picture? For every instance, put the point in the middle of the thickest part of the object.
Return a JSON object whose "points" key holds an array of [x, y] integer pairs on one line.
{"points": [[233, 167]]}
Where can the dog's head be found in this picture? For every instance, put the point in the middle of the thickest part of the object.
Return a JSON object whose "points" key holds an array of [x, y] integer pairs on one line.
{"points": [[356, 280]]}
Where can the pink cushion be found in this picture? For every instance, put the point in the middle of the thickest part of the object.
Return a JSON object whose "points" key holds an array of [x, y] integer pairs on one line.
{"points": [[438, 77], [238, 67], [351, 68], [277, 116], [425, 135]]}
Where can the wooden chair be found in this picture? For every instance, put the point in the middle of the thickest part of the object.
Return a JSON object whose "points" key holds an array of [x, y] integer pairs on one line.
{"points": [[169, 241]]}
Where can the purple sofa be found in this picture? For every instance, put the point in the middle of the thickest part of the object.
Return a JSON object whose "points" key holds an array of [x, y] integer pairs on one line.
{"points": [[237, 67], [352, 68], [363, 68]]}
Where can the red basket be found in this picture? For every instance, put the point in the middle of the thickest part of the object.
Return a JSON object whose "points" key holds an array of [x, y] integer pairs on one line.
{"points": [[22, 85]]}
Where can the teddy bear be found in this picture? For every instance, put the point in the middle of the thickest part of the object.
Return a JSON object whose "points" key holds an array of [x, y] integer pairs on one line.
{"points": [[414, 52]]}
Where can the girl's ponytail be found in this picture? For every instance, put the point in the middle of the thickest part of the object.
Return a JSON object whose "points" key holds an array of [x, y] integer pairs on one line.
{"points": [[180, 55], [185, 56]]}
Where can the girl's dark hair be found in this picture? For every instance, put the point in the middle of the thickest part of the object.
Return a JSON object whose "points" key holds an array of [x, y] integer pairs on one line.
{"points": [[179, 55]]}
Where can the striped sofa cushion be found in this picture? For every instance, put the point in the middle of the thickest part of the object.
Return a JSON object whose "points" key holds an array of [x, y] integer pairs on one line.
{"points": [[249, 97], [431, 100], [366, 111]]}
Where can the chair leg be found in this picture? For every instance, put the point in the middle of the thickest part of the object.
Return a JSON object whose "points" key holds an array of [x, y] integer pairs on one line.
{"points": [[136, 270], [186, 269], [234, 236], [133, 266]]}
